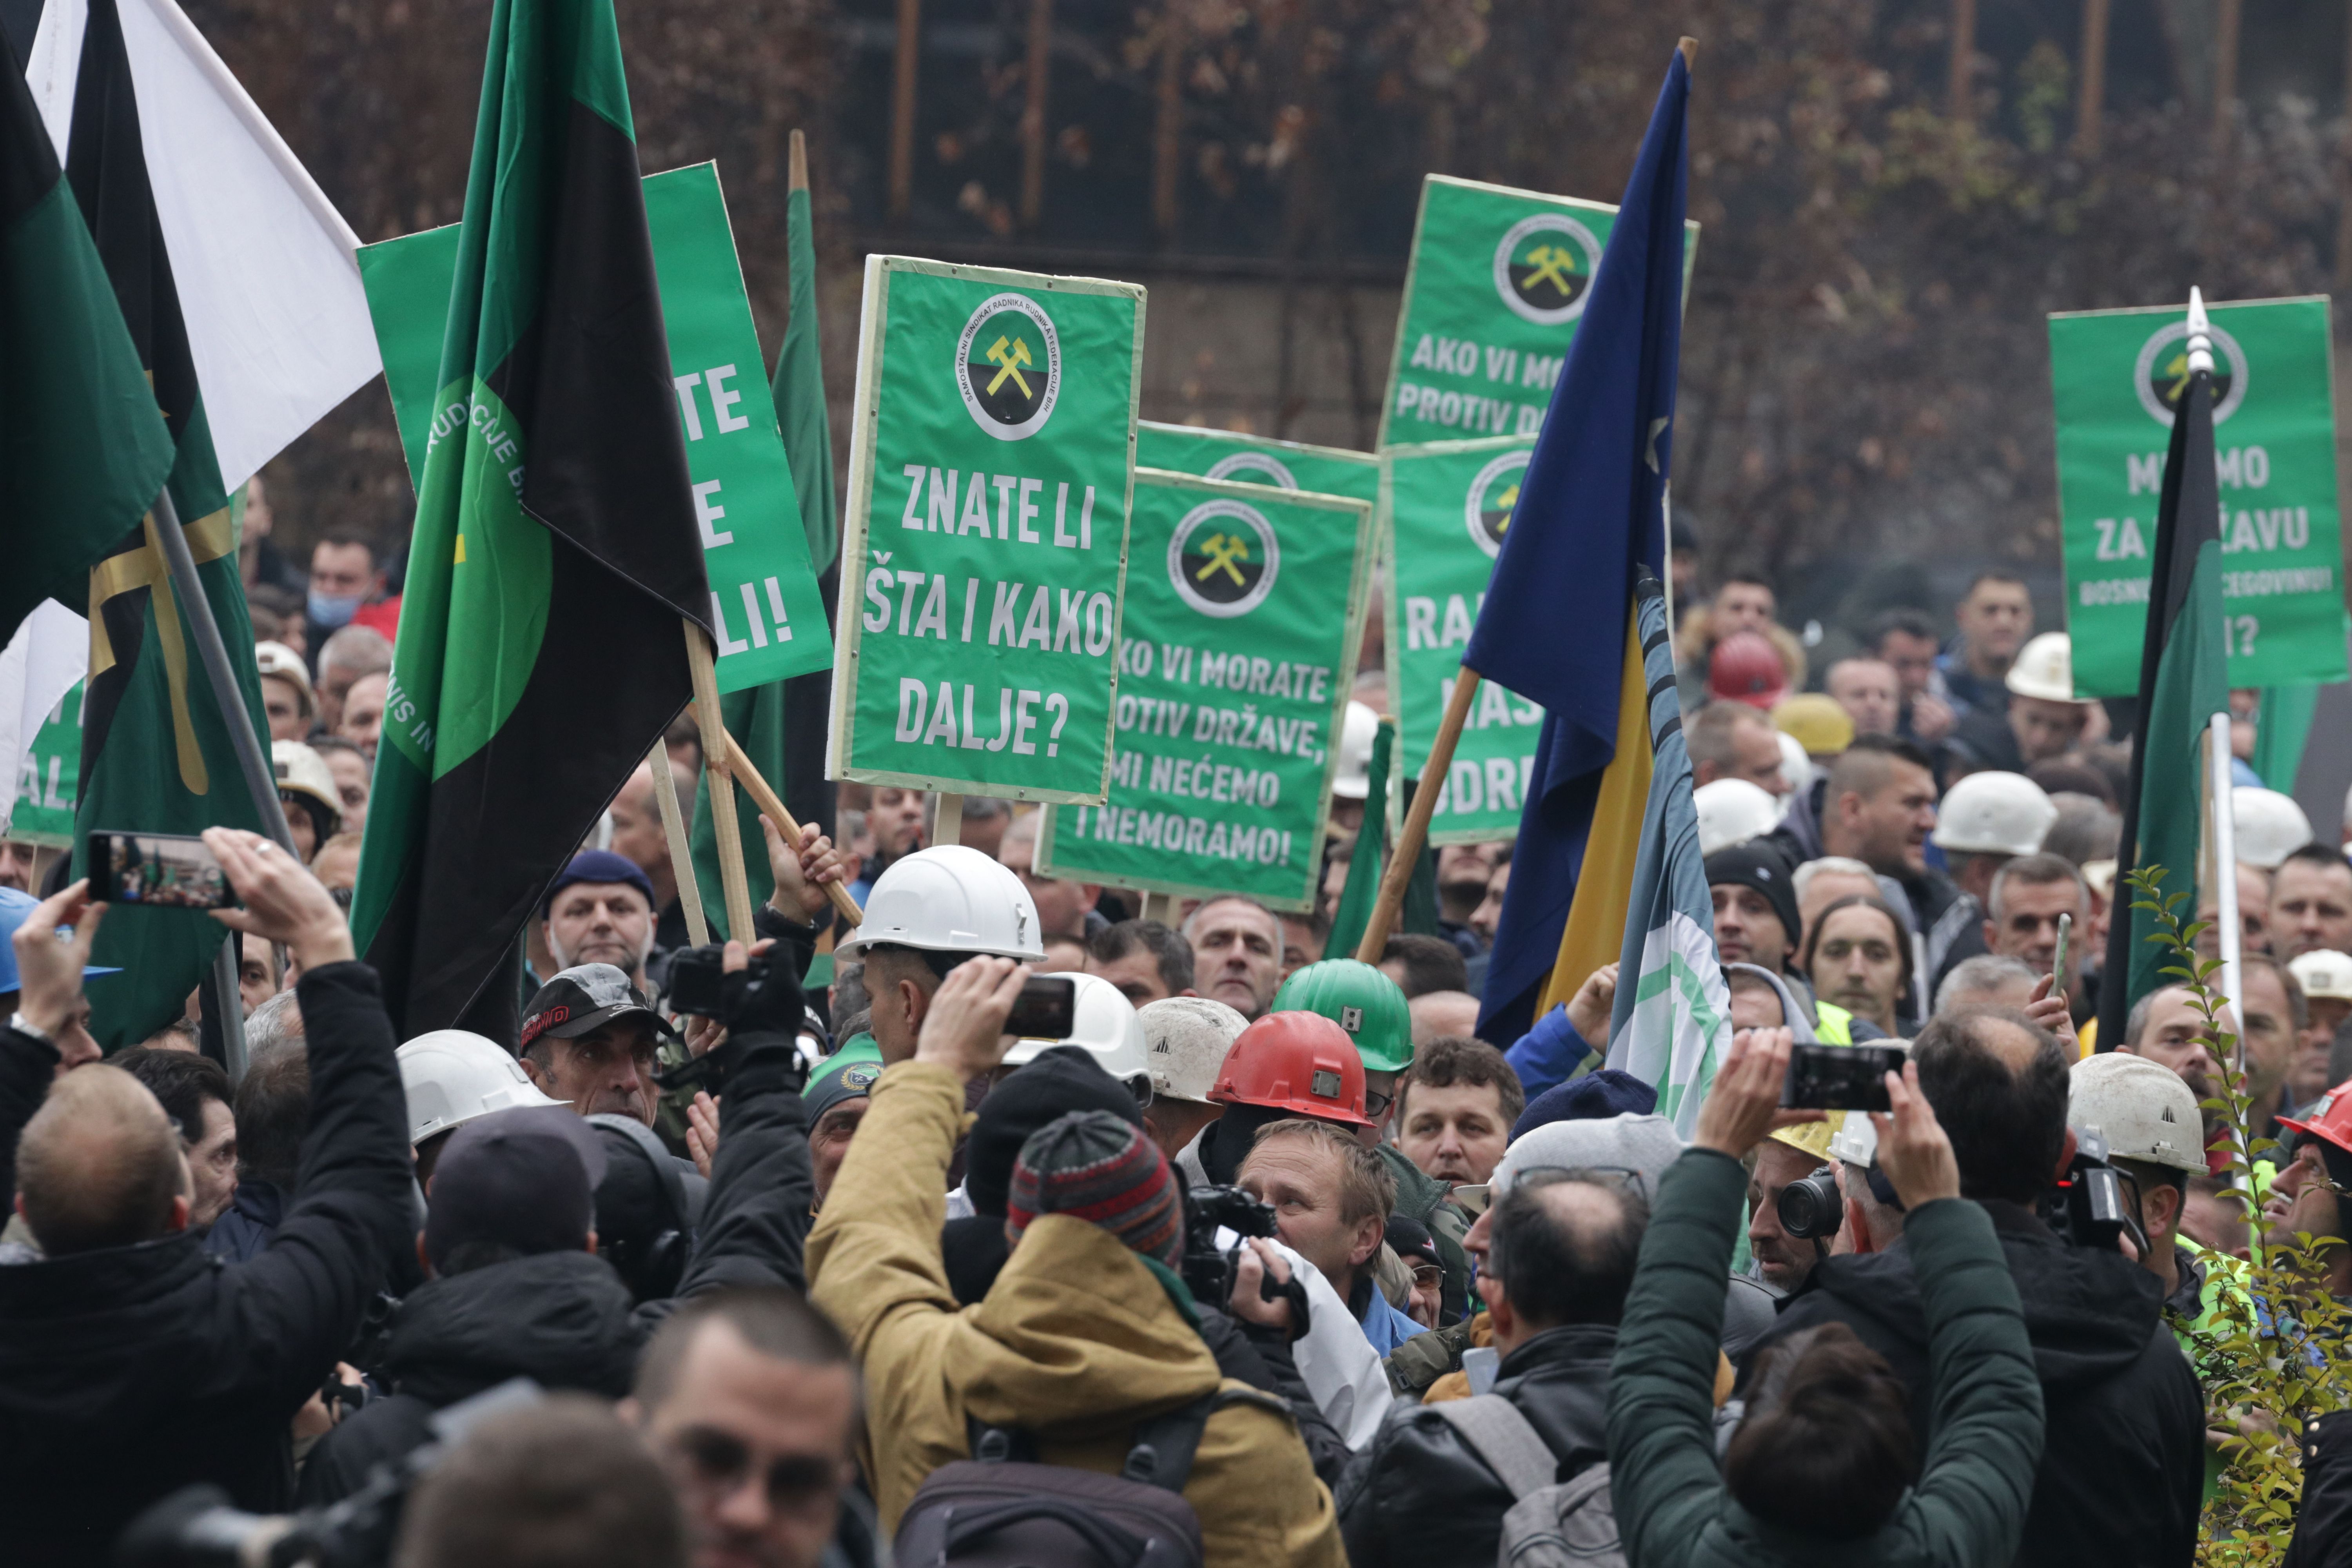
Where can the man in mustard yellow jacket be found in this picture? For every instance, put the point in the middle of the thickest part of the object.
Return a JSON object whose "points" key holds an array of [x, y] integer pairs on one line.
{"points": [[1079, 1340]]}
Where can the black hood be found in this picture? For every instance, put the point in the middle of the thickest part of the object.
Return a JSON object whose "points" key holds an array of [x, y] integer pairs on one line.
{"points": [[2088, 1314], [561, 1318]]}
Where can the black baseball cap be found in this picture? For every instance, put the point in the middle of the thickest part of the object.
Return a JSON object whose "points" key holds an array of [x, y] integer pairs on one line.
{"points": [[582, 998], [524, 1178]]}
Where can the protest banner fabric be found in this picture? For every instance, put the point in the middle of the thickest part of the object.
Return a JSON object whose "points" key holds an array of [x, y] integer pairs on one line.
{"points": [[1497, 280], [764, 601], [1235, 660], [978, 628], [46, 780], [1444, 506], [1257, 460], [2115, 377]]}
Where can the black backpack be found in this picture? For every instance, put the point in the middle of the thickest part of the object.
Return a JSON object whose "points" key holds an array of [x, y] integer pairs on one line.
{"points": [[1001, 1509]]}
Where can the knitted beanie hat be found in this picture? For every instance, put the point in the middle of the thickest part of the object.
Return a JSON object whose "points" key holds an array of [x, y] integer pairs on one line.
{"points": [[1097, 1167]]}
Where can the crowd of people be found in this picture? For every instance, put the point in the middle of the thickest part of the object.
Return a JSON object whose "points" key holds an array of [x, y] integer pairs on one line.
{"points": [[1263, 1255]]}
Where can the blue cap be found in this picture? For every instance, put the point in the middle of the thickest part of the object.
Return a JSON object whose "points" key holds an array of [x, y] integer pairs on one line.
{"points": [[13, 907], [599, 865], [1596, 1097]]}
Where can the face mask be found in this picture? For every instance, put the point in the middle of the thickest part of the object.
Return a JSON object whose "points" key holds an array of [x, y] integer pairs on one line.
{"points": [[332, 609]]}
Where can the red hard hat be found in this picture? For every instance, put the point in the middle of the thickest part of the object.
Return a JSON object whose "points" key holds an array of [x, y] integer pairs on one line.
{"points": [[2330, 1118], [1301, 1062], [1746, 667]]}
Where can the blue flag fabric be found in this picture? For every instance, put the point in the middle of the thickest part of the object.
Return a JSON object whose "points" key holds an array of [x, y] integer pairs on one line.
{"points": [[1668, 1027], [1592, 510]]}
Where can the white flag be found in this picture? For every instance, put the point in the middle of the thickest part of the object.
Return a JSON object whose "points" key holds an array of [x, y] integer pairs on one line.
{"points": [[266, 269], [49, 652]]}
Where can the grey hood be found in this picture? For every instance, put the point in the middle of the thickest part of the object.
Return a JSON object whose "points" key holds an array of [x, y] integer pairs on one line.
{"points": [[1799, 1013]]}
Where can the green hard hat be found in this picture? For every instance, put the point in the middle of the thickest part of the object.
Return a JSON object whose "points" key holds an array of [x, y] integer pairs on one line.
{"points": [[1361, 1000]]}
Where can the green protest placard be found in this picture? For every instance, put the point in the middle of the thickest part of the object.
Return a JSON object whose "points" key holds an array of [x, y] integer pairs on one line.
{"points": [[1498, 281], [2114, 377], [1256, 460], [1446, 505], [44, 811], [984, 546], [1235, 662], [764, 601]]}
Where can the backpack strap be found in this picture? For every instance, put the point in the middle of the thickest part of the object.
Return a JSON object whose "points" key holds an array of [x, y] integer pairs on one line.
{"points": [[1165, 1445], [1496, 1432]]}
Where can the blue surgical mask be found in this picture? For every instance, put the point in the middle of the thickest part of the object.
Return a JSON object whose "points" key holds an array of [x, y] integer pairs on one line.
{"points": [[332, 609]]}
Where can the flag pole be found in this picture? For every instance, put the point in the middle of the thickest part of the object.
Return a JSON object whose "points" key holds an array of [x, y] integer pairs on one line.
{"points": [[718, 766], [1398, 874], [946, 818], [260, 778], [2225, 879], [767, 800], [682, 852]]}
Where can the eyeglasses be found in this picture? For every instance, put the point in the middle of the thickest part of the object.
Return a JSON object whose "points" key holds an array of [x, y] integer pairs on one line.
{"points": [[720, 1462], [1624, 1178], [1375, 1103]]}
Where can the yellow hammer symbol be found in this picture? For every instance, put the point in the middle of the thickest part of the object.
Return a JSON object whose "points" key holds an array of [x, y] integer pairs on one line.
{"points": [[2178, 373], [1506, 503], [1012, 362], [1223, 550], [1551, 264]]}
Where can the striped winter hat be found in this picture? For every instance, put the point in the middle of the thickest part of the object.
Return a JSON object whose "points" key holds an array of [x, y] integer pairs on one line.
{"points": [[1097, 1167]]}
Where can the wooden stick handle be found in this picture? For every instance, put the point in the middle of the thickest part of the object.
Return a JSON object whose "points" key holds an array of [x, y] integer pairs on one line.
{"points": [[767, 800], [946, 818], [681, 849], [1398, 874], [796, 163], [716, 764]]}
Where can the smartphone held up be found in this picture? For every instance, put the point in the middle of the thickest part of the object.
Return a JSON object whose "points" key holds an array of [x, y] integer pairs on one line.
{"points": [[1839, 1077], [159, 870]]}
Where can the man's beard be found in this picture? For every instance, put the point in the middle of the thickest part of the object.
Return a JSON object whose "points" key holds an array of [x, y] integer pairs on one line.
{"points": [[604, 950]]}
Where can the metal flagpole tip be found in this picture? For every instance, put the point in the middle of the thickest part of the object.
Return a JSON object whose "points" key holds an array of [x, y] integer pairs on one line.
{"points": [[2201, 334]]}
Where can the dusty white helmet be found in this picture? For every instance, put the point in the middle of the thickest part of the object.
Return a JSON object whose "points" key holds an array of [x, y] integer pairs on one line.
{"points": [[2144, 1112], [1360, 728], [1994, 813], [2323, 974], [950, 898], [1797, 770], [2271, 827], [451, 1076], [1105, 1022], [2044, 669], [1733, 811], [304, 771], [1186, 1038]]}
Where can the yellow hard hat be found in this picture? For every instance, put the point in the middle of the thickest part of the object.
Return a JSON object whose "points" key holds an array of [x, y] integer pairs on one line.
{"points": [[1813, 1137], [1815, 723]]}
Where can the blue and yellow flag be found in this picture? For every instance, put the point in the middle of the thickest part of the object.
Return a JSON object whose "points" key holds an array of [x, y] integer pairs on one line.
{"points": [[1558, 625]]}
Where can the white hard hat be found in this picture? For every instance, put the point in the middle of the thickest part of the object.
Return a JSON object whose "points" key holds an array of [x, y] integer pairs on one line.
{"points": [[305, 772], [1361, 727], [1733, 811], [1186, 1039], [2324, 973], [452, 1077], [1994, 813], [1105, 1022], [2271, 827], [2144, 1112], [1797, 769], [276, 658], [950, 898], [2044, 669]]}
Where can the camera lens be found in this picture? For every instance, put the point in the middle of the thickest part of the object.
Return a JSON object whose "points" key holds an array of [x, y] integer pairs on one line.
{"points": [[1812, 1208]]}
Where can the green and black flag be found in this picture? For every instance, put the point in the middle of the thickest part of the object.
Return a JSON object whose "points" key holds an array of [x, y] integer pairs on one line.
{"points": [[555, 551], [1369, 861], [782, 726], [83, 446], [156, 756], [2183, 683]]}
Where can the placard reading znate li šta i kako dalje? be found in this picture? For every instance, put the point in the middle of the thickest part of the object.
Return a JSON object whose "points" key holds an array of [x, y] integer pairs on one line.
{"points": [[984, 549]]}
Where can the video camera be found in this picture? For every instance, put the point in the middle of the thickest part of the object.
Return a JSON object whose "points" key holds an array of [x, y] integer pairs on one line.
{"points": [[1208, 1269], [196, 1527], [2088, 1206]]}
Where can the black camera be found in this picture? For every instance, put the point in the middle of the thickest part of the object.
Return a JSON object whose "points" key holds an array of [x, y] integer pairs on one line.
{"points": [[2088, 1206], [198, 1525], [1209, 1271], [699, 984], [1812, 1208]]}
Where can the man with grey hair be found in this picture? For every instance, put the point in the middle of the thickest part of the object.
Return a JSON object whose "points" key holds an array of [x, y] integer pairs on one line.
{"points": [[2028, 897], [1236, 952], [350, 654], [1988, 980]]}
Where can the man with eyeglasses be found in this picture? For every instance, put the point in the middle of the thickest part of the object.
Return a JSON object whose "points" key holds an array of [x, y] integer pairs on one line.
{"points": [[749, 1398]]}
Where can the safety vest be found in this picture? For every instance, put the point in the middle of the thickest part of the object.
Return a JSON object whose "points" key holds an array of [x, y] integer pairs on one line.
{"points": [[1832, 1025]]}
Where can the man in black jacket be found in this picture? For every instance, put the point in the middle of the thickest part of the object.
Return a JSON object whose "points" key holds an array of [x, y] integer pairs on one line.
{"points": [[2122, 1464], [1561, 1255], [542, 1304], [132, 1364]]}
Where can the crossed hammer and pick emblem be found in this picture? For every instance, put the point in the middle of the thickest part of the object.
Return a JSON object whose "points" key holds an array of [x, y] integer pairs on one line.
{"points": [[1222, 551], [1013, 355], [1551, 264]]}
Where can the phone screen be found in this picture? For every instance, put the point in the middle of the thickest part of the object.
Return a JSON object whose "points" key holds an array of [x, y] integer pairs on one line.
{"points": [[1839, 1077], [163, 870], [1047, 1009]]}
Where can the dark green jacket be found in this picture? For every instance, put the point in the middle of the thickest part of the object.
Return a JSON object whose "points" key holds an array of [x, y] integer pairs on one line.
{"points": [[1671, 1503]]}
